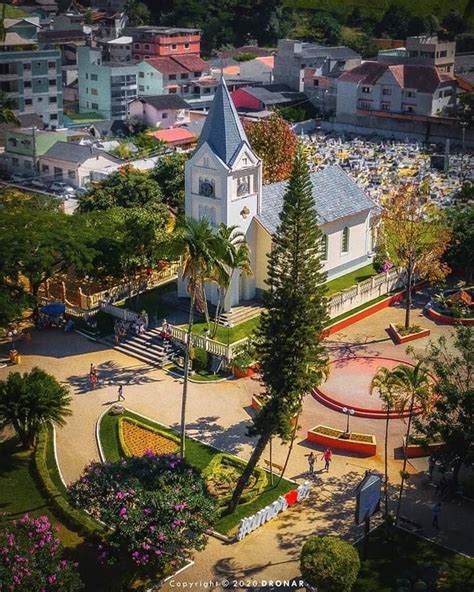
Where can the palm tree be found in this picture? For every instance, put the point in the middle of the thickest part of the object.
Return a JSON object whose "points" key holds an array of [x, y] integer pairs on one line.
{"points": [[31, 399], [383, 383], [412, 388], [234, 255], [199, 255]]}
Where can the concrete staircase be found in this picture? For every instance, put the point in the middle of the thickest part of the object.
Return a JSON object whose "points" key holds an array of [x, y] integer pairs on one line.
{"points": [[149, 348], [239, 314]]}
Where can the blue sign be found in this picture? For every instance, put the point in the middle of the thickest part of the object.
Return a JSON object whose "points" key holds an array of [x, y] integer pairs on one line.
{"points": [[368, 496]]}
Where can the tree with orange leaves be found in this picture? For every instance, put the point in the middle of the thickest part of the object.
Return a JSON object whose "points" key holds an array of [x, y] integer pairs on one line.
{"points": [[275, 143], [414, 234]]}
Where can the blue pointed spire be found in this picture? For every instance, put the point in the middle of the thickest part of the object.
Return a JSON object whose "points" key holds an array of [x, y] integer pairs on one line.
{"points": [[223, 130]]}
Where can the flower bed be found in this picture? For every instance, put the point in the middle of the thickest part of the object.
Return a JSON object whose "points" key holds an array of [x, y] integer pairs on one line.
{"points": [[444, 319], [137, 438], [418, 450], [364, 444], [400, 335]]}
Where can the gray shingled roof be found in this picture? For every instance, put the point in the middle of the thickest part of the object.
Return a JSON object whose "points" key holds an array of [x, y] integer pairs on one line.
{"points": [[223, 130], [77, 153], [335, 193], [165, 101]]}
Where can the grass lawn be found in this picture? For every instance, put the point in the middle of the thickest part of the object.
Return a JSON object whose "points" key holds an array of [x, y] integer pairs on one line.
{"points": [[350, 279], [152, 301], [84, 117], [19, 492], [199, 456], [412, 558], [228, 335], [200, 375]]}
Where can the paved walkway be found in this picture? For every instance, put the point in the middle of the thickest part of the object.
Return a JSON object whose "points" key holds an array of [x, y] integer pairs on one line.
{"points": [[219, 414]]}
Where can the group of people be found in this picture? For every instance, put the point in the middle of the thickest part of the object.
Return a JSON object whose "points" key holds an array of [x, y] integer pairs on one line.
{"points": [[93, 378], [326, 456], [136, 327]]}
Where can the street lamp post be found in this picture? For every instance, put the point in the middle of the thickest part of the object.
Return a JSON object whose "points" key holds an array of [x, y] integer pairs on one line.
{"points": [[348, 412], [464, 125], [12, 334]]}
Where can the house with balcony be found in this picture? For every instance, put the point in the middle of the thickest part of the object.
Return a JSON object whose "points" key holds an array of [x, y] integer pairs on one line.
{"points": [[163, 111], [150, 42], [397, 91], [105, 88]]}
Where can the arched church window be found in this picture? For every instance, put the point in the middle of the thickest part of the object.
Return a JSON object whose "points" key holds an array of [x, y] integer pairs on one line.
{"points": [[345, 240], [243, 186], [324, 247]]}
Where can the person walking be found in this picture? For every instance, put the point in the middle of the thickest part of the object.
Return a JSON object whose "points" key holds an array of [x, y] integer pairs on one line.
{"points": [[436, 513], [327, 456], [311, 460], [120, 393]]}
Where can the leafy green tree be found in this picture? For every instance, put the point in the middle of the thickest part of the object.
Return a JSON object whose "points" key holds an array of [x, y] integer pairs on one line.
{"points": [[451, 419], [325, 29], [454, 23], [29, 400], [31, 558], [329, 563], [7, 111], [138, 13], [127, 188], [394, 23], [13, 301], [43, 241], [292, 358], [460, 252], [169, 174]]}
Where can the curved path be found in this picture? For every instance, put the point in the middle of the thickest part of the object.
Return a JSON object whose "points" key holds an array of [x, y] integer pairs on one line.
{"points": [[219, 414]]}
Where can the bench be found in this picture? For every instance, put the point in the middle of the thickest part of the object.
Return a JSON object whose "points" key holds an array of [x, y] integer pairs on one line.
{"points": [[273, 465]]}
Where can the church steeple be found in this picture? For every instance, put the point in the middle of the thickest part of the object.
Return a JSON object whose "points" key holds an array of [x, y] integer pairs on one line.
{"points": [[222, 129]]}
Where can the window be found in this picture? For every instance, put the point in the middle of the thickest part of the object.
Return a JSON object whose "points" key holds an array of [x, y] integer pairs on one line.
{"points": [[207, 91], [71, 174], [315, 82], [52, 82], [27, 164], [172, 77], [58, 173], [172, 91], [184, 76], [324, 247], [365, 105], [385, 106], [448, 92], [243, 186], [186, 46], [174, 46], [94, 105], [53, 99], [443, 54], [137, 46], [366, 89], [164, 116], [27, 67], [141, 74], [141, 88], [387, 92], [45, 168], [408, 108], [15, 162], [87, 76], [28, 101], [409, 93], [197, 74], [147, 46], [94, 92], [345, 240], [51, 64], [27, 84], [94, 77], [53, 116]]}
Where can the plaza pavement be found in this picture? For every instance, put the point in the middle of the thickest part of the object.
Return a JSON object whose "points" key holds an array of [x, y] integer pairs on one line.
{"points": [[219, 414]]}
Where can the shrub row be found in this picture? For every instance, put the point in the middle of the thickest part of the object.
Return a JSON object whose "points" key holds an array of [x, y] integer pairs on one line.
{"points": [[71, 517], [144, 426]]}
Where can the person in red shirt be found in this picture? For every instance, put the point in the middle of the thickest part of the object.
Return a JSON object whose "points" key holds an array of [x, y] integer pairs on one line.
{"points": [[327, 456]]}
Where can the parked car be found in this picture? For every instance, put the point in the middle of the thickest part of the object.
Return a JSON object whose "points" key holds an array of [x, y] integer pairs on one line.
{"points": [[39, 184], [19, 178], [80, 191], [62, 188]]}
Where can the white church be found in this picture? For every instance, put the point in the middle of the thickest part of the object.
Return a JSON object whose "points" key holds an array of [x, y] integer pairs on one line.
{"points": [[223, 183]]}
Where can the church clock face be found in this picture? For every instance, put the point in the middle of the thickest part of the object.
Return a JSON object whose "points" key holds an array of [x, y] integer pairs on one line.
{"points": [[206, 189]]}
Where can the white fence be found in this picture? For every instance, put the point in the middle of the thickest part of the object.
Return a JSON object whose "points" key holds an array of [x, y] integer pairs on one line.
{"points": [[119, 313], [365, 291], [211, 346]]}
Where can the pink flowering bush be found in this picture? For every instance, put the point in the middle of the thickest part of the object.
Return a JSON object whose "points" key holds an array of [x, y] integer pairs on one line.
{"points": [[30, 559], [157, 507]]}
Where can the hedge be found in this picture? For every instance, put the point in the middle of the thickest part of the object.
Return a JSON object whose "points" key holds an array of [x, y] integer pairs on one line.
{"points": [[74, 519], [144, 426]]}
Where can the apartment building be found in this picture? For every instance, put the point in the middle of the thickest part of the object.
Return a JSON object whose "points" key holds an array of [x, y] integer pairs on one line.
{"points": [[23, 148], [105, 88], [151, 42], [427, 50], [388, 90]]}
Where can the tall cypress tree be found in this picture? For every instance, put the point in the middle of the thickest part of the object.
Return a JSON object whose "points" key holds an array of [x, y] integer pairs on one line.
{"points": [[290, 352]]}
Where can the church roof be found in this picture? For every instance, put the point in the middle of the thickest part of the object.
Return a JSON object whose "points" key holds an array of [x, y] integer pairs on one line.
{"points": [[335, 194], [223, 130]]}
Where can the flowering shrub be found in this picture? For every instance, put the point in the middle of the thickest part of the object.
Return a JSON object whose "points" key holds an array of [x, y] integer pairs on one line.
{"points": [[30, 559], [157, 507]]}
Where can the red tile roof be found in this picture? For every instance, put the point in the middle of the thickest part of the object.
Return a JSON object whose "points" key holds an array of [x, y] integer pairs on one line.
{"points": [[425, 79], [174, 135], [192, 62], [166, 65]]}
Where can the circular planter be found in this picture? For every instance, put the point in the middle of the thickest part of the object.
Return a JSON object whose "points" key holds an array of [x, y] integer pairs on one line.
{"points": [[443, 319]]}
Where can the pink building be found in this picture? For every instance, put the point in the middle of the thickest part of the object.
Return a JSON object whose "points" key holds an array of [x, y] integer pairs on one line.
{"points": [[162, 111]]}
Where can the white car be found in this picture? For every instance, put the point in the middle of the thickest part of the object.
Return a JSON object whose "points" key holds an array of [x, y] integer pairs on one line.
{"points": [[62, 188], [39, 184]]}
